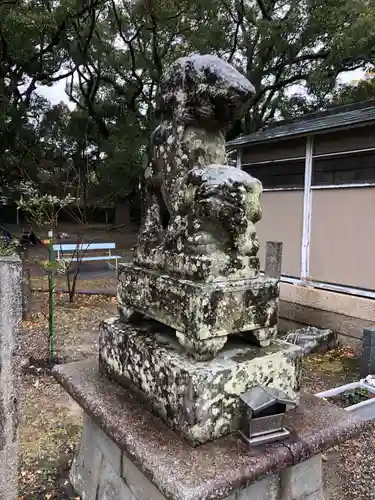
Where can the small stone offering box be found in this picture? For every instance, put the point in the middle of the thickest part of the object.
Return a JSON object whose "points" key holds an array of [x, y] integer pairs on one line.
{"points": [[196, 331]]}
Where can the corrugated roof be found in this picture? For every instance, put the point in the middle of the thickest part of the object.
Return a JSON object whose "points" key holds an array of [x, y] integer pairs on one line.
{"points": [[307, 126]]}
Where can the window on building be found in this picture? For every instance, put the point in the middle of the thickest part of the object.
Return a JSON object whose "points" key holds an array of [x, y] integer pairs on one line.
{"points": [[348, 168], [281, 174]]}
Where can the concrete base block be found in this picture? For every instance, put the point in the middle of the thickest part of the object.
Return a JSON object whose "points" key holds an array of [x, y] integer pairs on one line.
{"points": [[95, 475], [101, 471], [85, 470], [198, 400], [303, 481], [266, 489], [139, 485], [111, 486], [106, 446], [10, 397], [9, 463]]}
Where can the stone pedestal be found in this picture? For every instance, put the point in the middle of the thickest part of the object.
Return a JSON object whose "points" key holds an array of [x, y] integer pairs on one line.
{"points": [[102, 471], [128, 454], [10, 319], [199, 400], [203, 313]]}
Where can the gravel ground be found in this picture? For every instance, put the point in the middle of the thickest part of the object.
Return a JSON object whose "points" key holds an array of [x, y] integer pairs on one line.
{"points": [[357, 461], [349, 469]]}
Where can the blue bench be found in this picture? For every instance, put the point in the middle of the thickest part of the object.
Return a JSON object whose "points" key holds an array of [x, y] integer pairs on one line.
{"points": [[70, 252]]}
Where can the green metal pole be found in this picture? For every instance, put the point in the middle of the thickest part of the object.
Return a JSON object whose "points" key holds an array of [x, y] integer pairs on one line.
{"points": [[51, 311]]}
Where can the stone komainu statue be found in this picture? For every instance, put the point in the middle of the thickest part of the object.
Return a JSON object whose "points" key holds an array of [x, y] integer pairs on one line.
{"points": [[195, 266], [198, 212]]}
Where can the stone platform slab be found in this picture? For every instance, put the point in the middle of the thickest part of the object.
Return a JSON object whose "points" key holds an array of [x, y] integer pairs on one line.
{"points": [[199, 400], [201, 310], [153, 456]]}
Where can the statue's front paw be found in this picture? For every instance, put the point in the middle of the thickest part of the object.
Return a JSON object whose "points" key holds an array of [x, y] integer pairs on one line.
{"points": [[222, 206]]}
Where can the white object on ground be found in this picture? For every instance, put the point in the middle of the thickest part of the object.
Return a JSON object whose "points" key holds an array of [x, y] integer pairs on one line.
{"points": [[370, 380], [364, 409]]}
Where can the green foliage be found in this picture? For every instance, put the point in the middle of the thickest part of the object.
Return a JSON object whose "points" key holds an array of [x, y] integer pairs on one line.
{"points": [[112, 56], [35, 42], [355, 396], [56, 267], [276, 44], [42, 209], [350, 93]]}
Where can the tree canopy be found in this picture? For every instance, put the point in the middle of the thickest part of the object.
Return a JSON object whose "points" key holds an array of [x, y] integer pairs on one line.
{"points": [[112, 54]]}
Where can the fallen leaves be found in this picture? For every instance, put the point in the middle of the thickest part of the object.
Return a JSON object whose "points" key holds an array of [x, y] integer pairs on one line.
{"points": [[347, 352], [51, 426]]}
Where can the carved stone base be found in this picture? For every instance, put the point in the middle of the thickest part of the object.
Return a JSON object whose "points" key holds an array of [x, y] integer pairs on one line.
{"points": [[205, 268], [201, 350], [201, 311], [198, 400]]}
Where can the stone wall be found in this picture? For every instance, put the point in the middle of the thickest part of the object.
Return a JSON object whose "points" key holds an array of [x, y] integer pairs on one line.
{"points": [[102, 471], [10, 318]]}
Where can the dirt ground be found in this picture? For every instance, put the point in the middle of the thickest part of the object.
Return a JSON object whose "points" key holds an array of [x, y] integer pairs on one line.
{"points": [[51, 420], [51, 424]]}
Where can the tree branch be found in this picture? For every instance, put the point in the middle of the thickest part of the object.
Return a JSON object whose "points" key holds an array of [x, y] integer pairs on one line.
{"points": [[240, 16], [155, 53], [56, 37]]}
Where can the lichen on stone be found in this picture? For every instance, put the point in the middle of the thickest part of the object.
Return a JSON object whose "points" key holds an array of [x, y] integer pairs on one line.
{"points": [[200, 400], [196, 265], [198, 212], [201, 311]]}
